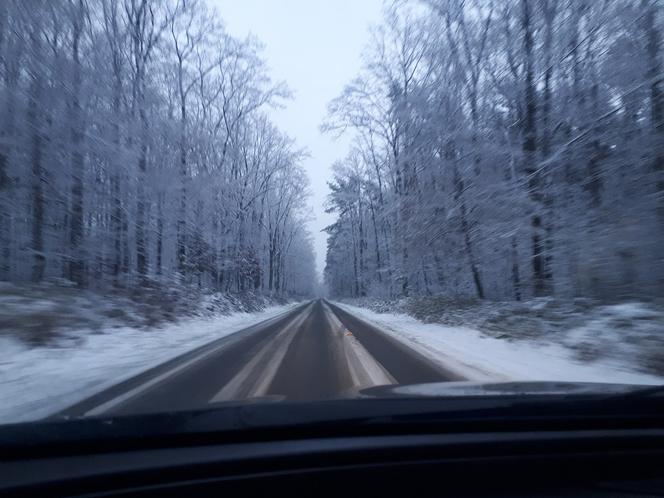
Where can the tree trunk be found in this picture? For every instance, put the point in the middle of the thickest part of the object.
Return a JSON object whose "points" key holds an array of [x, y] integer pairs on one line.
{"points": [[516, 279], [459, 196], [6, 141], [530, 154], [76, 263], [654, 43], [160, 231], [116, 195], [376, 242], [550, 11], [362, 244], [141, 251], [182, 211], [37, 240]]}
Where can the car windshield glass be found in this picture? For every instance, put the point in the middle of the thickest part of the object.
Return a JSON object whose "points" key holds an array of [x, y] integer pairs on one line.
{"points": [[206, 202]]}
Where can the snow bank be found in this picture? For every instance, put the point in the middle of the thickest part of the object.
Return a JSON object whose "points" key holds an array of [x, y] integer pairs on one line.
{"points": [[479, 356], [47, 312], [38, 381]]}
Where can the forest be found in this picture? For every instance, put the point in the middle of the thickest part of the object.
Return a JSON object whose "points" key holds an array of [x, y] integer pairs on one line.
{"points": [[136, 149], [504, 150]]}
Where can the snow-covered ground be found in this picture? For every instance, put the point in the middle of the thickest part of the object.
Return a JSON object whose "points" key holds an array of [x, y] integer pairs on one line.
{"points": [[483, 357], [621, 343], [38, 381]]}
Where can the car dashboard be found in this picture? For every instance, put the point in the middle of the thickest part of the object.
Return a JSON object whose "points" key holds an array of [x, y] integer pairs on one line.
{"points": [[456, 453]]}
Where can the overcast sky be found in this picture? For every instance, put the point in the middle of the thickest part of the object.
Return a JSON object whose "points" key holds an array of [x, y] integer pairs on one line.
{"points": [[315, 46]]}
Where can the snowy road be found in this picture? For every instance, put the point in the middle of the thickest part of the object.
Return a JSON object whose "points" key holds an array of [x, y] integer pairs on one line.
{"points": [[315, 351]]}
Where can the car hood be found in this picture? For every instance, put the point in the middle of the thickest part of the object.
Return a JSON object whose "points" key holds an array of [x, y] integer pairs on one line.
{"points": [[466, 388], [442, 404]]}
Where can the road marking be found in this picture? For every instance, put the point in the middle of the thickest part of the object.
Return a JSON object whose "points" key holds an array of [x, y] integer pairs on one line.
{"points": [[365, 370], [449, 368], [118, 400], [98, 410], [250, 381]]}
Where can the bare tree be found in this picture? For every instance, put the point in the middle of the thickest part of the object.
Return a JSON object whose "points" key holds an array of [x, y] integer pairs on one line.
{"points": [[137, 152], [508, 173]]}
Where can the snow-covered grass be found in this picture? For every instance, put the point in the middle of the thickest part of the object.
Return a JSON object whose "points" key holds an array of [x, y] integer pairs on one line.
{"points": [[38, 381], [59, 344], [53, 312], [538, 340]]}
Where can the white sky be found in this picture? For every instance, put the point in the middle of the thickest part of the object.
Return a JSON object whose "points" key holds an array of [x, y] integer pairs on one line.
{"points": [[315, 46]]}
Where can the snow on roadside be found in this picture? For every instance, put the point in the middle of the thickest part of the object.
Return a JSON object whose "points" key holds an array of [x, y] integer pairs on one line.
{"points": [[37, 382], [479, 357]]}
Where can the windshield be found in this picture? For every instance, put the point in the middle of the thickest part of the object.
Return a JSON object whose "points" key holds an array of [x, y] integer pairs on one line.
{"points": [[212, 201]]}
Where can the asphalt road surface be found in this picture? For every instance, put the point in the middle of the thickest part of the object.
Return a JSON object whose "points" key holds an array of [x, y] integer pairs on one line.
{"points": [[315, 351]]}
